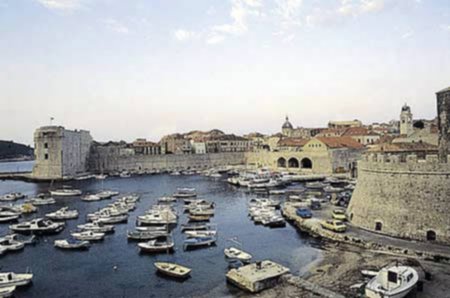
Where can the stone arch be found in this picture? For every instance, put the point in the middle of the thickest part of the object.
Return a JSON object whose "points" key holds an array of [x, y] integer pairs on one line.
{"points": [[281, 162], [293, 163], [431, 235], [306, 163]]}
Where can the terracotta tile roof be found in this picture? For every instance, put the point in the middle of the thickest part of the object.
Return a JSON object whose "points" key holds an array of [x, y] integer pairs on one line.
{"points": [[358, 131], [340, 142], [293, 142], [328, 131]]}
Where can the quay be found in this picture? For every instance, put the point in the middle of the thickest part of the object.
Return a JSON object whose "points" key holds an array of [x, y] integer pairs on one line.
{"points": [[24, 176], [257, 276]]}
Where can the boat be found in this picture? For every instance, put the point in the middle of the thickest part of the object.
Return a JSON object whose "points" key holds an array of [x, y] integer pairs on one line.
{"points": [[12, 196], [38, 225], [9, 279], [125, 174], [101, 177], [200, 233], [63, 214], [392, 282], [158, 217], [173, 270], [198, 217], [107, 194], [198, 242], [155, 246], [146, 235], [235, 253], [202, 211], [152, 228], [72, 243], [8, 218], [112, 219], [273, 221], [7, 291], [84, 177], [90, 198], [97, 227], [39, 201], [65, 192], [88, 235], [166, 200], [195, 226], [10, 243], [185, 193]]}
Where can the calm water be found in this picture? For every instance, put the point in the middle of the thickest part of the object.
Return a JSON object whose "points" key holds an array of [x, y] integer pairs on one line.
{"points": [[90, 273], [17, 166]]}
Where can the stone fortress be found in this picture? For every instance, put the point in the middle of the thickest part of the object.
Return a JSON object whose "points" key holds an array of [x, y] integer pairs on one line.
{"points": [[407, 195]]}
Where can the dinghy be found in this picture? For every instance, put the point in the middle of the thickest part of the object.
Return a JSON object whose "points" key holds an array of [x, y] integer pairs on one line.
{"points": [[173, 270]]}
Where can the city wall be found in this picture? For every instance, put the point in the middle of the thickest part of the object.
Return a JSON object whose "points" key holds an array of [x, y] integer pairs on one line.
{"points": [[403, 198]]}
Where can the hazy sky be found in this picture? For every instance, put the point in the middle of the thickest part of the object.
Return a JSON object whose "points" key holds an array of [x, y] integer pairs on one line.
{"points": [[144, 68]]}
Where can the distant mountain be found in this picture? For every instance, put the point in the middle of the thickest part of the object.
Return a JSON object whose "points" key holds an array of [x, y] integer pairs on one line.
{"points": [[11, 150]]}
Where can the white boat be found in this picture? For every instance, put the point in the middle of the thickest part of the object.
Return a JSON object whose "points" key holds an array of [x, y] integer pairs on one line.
{"points": [[9, 279], [72, 244], [200, 233], [392, 282], [97, 227], [185, 193], [158, 217], [198, 242], [107, 194], [65, 192], [91, 198], [235, 253], [146, 235], [101, 177], [9, 218], [39, 201], [173, 270], [88, 235], [166, 199], [155, 246], [10, 243], [38, 225], [201, 211], [125, 174], [63, 214], [12, 196], [7, 291]]}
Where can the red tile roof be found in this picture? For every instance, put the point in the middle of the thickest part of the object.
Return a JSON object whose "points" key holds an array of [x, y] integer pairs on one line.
{"points": [[293, 142], [340, 142], [358, 131]]}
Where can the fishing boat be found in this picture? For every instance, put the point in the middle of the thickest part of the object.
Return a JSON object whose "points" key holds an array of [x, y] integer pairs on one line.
{"points": [[173, 270], [185, 193], [72, 243], [65, 192], [38, 225], [155, 246], [201, 233], [12, 196], [63, 214], [198, 217], [392, 282], [9, 279], [198, 242], [235, 253], [39, 201], [146, 235], [88, 235], [97, 227]]}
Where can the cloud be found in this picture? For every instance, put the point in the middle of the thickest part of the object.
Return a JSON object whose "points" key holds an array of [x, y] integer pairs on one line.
{"points": [[184, 35], [215, 39], [60, 4], [408, 34], [288, 11], [116, 26]]}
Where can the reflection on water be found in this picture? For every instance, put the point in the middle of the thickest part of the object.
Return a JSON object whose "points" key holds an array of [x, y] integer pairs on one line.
{"points": [[90, 274]]}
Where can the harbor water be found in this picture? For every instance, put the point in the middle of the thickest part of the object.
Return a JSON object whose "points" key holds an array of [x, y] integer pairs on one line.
{"points": [[115, 268]]}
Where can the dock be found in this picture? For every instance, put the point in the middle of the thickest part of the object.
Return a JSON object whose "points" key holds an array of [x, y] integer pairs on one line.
{"points": [[257, 276]]}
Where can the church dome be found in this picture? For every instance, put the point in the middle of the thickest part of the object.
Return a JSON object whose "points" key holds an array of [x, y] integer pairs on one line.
{"points": [[406, 108], [287, 124]]}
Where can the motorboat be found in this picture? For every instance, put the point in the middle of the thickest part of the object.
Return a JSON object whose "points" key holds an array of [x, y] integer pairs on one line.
{"points": [[39, 201], [125, 174], [66, 192], [84, 177], [107, 212], [173, 270], [7, 291], [155, 246], [273, 221], [12, 196], [97, 227], [392, 282], [8, 218], [101, 177], [91, 198], [166, 200], [63, 214], [195, 226], [72, 243], [107, 194], [88, 235], [146, 235], [332, 189], [112, 219], [264, 202], [185, 193], [198, 217], [235, 253], [10, 243], [153, 228], [202, 211], [9, 279], [198, 242], [200, 233], [158, 217], [38, 225], [315, 185]]}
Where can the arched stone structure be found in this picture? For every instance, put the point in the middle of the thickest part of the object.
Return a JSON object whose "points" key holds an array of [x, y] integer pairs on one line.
{"points": [[281, 162], [293, 163], [306, 163]]}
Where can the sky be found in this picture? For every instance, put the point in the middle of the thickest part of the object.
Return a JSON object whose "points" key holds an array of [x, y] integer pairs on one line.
{"points": [[146, 68]]}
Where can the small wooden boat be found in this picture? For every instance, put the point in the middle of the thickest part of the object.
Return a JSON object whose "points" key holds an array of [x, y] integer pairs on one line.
{"points": [[198, 217], [234, 253], [198, 241], [173, 270]]}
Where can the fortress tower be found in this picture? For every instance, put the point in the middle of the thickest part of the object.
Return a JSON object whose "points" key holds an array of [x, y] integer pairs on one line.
{"points": [[406, 121], [443, 110]]}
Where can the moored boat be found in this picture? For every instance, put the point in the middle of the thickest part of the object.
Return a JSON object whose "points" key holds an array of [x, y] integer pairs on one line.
{"points": [[63, 214], [65, 192], [155, 246], [72, 243], [97, 227], [235, 253], [88, 235], [38, 225], [173, 270], [9, 279], [392, 282], [198, 242]]}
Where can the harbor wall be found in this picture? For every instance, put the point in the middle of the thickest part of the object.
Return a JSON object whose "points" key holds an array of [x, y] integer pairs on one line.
{"points": [[403, 198]]}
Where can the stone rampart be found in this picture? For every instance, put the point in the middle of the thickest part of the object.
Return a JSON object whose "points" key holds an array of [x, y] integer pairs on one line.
{"points": [[407, 198]]}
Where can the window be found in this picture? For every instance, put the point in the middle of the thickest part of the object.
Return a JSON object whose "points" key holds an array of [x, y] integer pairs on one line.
{"points": [[45, 156], [431, 235], [45, 145], [378, 226]]}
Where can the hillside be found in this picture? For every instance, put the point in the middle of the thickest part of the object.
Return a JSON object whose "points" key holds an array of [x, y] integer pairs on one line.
{"points": [[11, 150]]}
